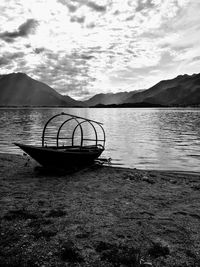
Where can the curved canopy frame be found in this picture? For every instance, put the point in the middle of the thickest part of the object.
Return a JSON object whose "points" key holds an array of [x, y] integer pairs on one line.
{"points": [[79, 121]]}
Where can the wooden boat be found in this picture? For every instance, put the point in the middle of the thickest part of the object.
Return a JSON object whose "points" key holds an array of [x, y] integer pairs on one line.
{"points": [[68, 156]]}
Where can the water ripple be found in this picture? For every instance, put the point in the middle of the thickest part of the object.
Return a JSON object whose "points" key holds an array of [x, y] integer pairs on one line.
{"points": [[137, 138]]}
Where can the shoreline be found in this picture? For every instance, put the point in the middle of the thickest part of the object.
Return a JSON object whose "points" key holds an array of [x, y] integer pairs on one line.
{"points": [[123, 167], [98, 216]]}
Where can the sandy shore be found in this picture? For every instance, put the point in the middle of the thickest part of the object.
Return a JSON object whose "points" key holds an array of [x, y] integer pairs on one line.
{"points": [[100, 216]]}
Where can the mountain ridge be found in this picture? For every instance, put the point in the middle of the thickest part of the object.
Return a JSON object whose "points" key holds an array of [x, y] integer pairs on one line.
{"points": [[181, 90], [110, 98], [18, 89]]}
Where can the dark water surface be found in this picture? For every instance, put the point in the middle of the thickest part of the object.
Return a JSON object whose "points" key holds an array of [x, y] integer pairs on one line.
{"points": [[139, 138]]}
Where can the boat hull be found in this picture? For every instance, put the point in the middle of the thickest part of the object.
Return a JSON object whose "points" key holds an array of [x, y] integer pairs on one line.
{"points": [[62, 157]]}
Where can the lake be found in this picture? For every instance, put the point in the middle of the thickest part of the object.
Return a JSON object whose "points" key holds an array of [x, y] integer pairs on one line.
{"points": [[145, 138]]}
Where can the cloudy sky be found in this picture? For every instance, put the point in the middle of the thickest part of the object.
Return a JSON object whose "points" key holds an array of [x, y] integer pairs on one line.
{"points": [[84, 47]]}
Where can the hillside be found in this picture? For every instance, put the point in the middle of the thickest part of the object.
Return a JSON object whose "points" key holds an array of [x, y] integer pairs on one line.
{"points": [[183, 90], [18, 89], [110, 98]]}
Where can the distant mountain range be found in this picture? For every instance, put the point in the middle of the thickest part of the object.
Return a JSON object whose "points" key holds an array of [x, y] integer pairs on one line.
{"points": [[18, 89], [183, 90], [110, 98]]}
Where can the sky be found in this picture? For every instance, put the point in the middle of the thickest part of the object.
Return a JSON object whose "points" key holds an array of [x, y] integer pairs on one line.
{"points": [[85, 47]]}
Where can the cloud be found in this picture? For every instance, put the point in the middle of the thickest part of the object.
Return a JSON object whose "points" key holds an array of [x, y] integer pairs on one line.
{"points": [[68, 74], [24, 30], [8, 57], [144, 5], [39, 50], [82, 47], [27, 27], [87, 57], [73, 7], [77, 19], [96, 7], [197, 58]]}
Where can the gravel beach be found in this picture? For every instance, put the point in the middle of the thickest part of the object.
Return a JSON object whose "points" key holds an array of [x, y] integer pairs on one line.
{"points": [[99, 216]]}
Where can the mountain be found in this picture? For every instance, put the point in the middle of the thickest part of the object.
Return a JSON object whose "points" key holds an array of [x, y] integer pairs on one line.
{"points": [[73, 102], [184, 90], [110, 98], [18, 89], [129, 105]]}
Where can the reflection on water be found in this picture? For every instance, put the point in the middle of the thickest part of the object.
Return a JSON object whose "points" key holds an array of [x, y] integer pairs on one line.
{"points": [[138, 138]]}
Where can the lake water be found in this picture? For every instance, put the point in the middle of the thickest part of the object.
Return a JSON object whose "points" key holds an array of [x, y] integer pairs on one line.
{"points": [[142, 138]]}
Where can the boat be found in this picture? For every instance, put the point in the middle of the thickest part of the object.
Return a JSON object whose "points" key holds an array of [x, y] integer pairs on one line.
{"points": [[63, 152]]}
